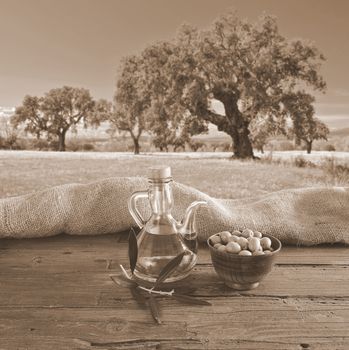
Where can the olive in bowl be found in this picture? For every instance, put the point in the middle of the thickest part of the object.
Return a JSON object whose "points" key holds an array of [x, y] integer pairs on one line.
{"points": [[243, 259]]}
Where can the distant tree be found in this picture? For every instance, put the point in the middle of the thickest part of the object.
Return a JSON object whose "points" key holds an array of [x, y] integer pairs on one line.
{"points": [[58, 111], [196, 145], [163, 137], [64, 108], [31, 115], [131, 100], [306, 127], [8, 134], [259, 136], [102, 112], [250, 68], [163, 131], [262, 129], [312, 129]]}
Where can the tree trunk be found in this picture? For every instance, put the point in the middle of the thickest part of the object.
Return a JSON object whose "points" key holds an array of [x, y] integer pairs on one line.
{"points": [[237, 126], [309, 146], [135, 138], [242, 147], [61, 141], [136, 145]]}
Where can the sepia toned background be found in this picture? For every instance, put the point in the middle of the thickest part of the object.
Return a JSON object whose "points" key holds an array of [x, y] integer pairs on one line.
{"points": [[47, 44]]}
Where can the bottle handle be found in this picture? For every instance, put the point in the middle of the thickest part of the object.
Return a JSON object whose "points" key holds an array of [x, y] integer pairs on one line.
{"points": [[132, 207]]}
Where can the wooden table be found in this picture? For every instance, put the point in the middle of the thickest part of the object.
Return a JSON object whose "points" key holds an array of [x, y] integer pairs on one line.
{"points": [[56, 293]]}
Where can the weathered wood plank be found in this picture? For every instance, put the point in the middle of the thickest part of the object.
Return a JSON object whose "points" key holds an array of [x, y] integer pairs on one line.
{"points": [[65, 260], [44, 343], [108, 259], [89, 288], [252, 322], [63, 253], [106, 251], [61, 242], [55, 293], [283, 281]]}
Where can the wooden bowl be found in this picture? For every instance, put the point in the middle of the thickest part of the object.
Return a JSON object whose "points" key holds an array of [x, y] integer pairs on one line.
{"points": [[243, 272]]}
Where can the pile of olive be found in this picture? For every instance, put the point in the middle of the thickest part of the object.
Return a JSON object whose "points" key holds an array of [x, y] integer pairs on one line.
{"points": [[247, 242]]}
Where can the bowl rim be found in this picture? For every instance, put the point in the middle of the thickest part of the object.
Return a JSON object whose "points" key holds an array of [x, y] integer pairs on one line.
{"points": [[274, 252]]}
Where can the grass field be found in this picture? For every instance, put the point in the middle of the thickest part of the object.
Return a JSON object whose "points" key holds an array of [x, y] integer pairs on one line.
{"points": [[23, 172]]}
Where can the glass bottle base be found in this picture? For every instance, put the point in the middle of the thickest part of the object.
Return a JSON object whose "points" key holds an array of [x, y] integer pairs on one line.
{"points": [[149, 268], [147, 279]]}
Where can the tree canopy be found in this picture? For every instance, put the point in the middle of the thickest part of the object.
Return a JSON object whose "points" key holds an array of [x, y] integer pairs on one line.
{"points": [[57, 111], [250, 67], [131, 99]]}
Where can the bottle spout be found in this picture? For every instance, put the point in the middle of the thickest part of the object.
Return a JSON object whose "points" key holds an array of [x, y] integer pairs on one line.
{"points": [[187, 225]]}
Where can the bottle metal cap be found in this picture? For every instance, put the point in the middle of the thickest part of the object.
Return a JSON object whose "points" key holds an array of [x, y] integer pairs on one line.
{"points": [[160, 172]]}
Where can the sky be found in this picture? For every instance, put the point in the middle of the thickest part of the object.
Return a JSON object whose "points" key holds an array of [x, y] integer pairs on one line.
{"points": [[46, 44]]}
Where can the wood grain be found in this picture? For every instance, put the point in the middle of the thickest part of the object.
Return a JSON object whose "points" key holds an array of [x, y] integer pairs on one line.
{"points": [[23, 287], [257, 320], [55, 293]]}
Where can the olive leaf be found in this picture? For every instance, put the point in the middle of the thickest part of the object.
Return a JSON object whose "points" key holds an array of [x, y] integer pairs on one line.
{"points": [[168, 269], [190, 300], [132, 249], [154, 308]]}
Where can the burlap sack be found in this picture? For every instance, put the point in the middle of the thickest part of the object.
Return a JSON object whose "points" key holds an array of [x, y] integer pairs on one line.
{"points": [[303, 216]]}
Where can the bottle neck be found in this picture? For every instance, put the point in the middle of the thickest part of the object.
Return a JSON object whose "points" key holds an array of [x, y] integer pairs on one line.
{"points": [[160, 197]]}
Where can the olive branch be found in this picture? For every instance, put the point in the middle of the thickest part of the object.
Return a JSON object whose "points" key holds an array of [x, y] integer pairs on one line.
{"points": [[147, 296]]}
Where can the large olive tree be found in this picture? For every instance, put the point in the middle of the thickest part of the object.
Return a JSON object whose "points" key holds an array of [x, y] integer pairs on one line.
{"points": [[250, 67]]}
